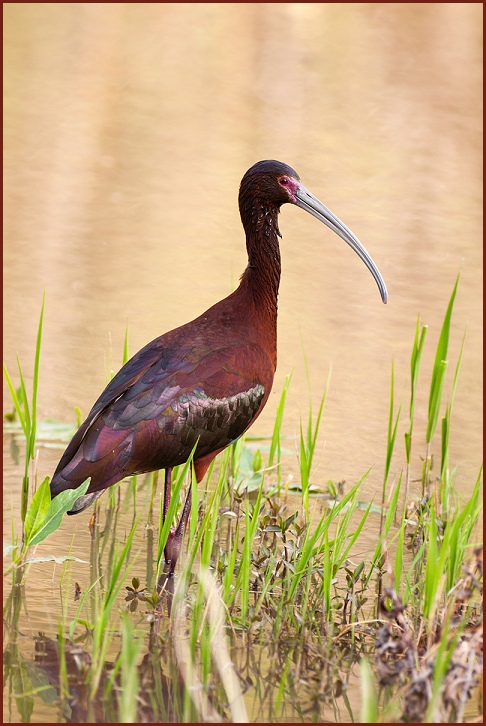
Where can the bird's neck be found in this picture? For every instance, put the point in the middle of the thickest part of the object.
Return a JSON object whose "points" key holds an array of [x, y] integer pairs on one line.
{"points": [[261, 278]]}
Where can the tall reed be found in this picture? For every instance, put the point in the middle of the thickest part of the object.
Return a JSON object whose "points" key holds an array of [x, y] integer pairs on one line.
{"points": [[27, 415]]}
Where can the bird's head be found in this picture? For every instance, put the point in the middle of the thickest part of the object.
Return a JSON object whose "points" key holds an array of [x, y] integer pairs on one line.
{"points": [[273, 183], [270, 181]]}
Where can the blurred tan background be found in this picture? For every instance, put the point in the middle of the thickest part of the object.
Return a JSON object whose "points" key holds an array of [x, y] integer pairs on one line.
{"points": [[127, 130]]}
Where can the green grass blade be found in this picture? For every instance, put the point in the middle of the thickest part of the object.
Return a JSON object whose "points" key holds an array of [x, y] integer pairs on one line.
{"points": [[35, 384], [125, 347], [275, 442], [352, 537], [392, 431], [443, 343], [369, 697], [310, 547], [435, 399], [440, 364], [25, 402], [16, 402], [28, 448], [417, 349], [442, 660], [398, 567], [446, 421], [130, 651]]}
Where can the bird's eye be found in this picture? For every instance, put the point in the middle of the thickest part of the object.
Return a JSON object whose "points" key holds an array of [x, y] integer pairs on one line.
{"points": [[284, 180]]}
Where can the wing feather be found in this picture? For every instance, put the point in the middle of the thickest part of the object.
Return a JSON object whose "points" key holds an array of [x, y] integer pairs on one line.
{"points": [[159, 406]]}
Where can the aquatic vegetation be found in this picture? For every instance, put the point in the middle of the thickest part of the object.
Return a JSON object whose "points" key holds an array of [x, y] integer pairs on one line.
{"points": [[278, 613]]}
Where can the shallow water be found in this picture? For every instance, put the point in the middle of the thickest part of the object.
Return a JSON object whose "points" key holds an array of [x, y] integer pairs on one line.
{"points": [[127, 130]]}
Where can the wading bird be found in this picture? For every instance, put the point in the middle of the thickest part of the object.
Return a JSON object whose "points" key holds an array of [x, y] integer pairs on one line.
{"points": [[203, 384]]}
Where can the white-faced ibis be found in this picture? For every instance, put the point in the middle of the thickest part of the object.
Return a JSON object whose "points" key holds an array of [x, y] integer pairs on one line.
{"points": [[206, 382]]}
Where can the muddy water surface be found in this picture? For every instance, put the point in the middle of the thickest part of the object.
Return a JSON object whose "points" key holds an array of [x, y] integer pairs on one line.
{"points": [[127, 130]]}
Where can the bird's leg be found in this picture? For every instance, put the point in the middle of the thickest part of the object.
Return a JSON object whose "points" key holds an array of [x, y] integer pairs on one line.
{"points": [[167, 489], [177, 537], [167, 492]]}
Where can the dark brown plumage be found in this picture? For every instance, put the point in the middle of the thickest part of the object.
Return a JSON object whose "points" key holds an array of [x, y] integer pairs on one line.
{"points": [[207, 381]]}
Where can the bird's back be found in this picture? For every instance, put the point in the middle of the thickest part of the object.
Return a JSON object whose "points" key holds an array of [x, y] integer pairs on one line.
{"points": [[203, 383]]}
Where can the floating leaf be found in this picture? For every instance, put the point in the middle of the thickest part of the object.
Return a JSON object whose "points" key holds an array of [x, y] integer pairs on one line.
{"points": [[296, 486], [374, 508], [8, 548], [247, 478], [51, 558], [47, 430]]}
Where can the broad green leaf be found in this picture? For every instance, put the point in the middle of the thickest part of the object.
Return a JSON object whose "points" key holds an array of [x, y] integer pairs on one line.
{"points": [[37, 511], [58, 507]]}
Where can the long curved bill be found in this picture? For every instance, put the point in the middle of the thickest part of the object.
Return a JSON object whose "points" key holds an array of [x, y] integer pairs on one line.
{"points": [[306, 200]]}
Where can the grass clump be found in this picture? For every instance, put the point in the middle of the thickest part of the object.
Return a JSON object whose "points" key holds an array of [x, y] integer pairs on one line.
{"points": [[277, 608]]}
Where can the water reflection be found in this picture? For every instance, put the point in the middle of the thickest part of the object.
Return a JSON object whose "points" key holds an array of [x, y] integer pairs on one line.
{"points": [[60, 680], [124, 151], [79, 677]]}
